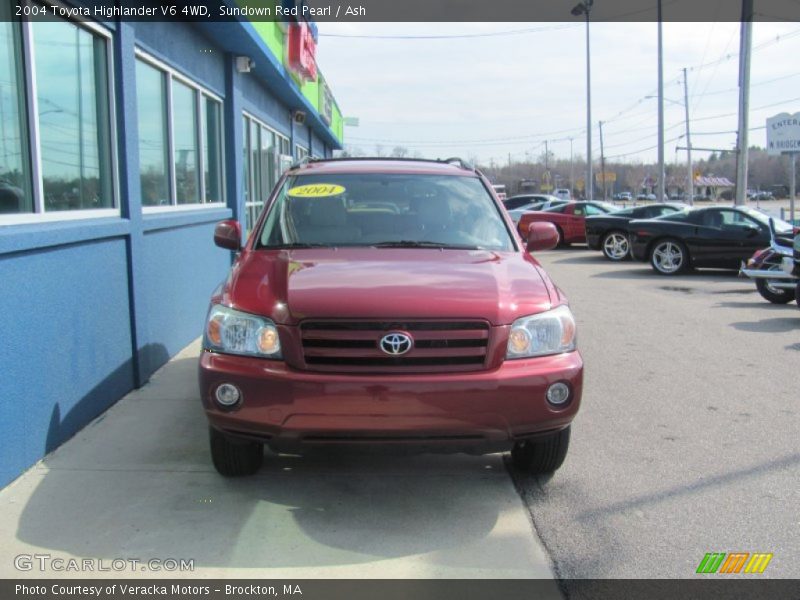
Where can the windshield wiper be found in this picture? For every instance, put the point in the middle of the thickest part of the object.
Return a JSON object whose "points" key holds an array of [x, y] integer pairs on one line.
{"points": [[424, 244], [295, 245]]}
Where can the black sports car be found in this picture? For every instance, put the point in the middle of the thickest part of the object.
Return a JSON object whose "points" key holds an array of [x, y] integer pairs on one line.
{"points": [[717, 236], [609, 232]]}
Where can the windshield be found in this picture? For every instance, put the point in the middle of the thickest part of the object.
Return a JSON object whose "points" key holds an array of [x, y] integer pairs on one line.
{"points": [[781, 226], [607, 206], [378, 209], [678, 215]]}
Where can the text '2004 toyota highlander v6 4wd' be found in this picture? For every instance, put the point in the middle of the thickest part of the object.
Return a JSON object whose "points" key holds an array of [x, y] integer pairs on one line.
{"points": [[388, 302]]}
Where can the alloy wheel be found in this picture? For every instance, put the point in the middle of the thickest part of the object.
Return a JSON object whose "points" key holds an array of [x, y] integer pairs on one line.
{"points": [[668, 257], [616, 246]]}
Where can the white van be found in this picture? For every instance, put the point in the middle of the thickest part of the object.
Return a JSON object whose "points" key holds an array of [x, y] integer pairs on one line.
{"points": [[563, 193]]}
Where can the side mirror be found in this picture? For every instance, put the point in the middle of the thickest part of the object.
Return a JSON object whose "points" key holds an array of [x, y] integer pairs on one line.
{"points": [[228, 234], [542, 236]]}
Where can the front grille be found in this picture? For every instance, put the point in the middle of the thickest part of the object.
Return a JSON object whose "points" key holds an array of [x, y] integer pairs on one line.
{"points": [[353, 346]]}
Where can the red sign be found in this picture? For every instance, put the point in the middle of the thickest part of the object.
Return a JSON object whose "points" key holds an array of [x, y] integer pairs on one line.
{"points": [[302, 51]]}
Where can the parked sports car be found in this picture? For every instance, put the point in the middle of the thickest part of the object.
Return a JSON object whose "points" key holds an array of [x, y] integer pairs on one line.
{"points": [[609, 232], [568, 219], [718, 237], [519, 205]]}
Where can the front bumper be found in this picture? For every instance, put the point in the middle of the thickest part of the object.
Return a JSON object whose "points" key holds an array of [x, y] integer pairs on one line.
{"points": [[481, 411]]}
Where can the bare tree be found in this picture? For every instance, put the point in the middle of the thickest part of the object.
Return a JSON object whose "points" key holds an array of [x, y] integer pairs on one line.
{"points": [[399, 152]]}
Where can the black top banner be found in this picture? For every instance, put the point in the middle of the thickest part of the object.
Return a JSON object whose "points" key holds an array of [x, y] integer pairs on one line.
{"points": [[408, 10]]}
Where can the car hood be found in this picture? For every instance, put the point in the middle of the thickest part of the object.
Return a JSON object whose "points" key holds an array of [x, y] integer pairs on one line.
{"points": [[291, 285]]}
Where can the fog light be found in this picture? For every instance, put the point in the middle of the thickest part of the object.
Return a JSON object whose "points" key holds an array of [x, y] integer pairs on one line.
{"points": [[558, 393], [228, 394]]}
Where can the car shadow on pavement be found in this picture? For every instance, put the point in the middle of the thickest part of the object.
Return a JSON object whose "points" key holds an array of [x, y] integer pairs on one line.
{"points": [[759, 302], [775, 325], [584, 259], [139, 482], [645, 273]]}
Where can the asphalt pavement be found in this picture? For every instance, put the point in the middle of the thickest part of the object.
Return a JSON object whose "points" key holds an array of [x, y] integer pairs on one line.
{"points": [[687, 442]]}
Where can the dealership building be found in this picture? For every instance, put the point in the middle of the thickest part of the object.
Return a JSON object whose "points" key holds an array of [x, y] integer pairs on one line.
{"points": [[122, 143]]}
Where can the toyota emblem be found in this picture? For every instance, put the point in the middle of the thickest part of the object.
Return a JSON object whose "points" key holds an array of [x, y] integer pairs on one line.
{"points": [[396, 343]]}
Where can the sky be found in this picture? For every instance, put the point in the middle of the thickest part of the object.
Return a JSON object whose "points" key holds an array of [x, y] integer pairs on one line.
{"points": [[487, 96]]}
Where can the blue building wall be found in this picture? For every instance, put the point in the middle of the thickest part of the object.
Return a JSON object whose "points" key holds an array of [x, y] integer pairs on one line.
{"points": [[183, 268], [66, 352], [93, 307]]}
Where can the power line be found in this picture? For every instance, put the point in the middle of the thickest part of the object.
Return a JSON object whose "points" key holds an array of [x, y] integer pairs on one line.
{"points": [[532, 137], [644, 149], [454, 36]]}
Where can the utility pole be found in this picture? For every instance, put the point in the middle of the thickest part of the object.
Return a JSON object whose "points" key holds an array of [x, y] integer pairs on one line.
{"points": [[689, 171], [509, 160], [792, 184], [589, 187], [571, 170], [584, 8], [602, 162], [661, 170], [745, 45], [546, 157]]}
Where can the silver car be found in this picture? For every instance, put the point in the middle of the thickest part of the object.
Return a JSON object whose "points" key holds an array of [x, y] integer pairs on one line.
{"points": [[517, 205]]}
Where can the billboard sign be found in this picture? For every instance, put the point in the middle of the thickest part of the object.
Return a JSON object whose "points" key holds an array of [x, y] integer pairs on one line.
{"points": [[302, 51], [783, 133]]}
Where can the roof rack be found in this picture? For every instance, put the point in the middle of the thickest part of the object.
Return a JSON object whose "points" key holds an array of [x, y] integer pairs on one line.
{"points": [[455, 160], [460, 162], [303, 161]]}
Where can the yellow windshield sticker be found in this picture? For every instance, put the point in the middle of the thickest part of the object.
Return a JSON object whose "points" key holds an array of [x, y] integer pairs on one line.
{"points": [[316, 190]]}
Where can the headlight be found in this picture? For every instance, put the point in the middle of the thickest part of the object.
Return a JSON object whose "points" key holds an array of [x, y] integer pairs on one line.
{"points": [[551, 332], [235, 332]]}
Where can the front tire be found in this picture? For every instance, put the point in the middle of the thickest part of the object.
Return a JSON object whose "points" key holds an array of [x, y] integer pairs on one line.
{"points": [[541, 456], [772, 294], [616, 246], [669, 257], [234, 458]]}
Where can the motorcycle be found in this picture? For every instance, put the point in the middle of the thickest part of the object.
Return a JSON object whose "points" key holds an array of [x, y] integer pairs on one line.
{"points": [[776, 270]]}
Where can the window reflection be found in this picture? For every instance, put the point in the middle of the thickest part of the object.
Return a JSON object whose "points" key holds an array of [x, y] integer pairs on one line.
{"points": [[15, 177], [72, 95], [212, 146], [151, 99], [184, 118]]}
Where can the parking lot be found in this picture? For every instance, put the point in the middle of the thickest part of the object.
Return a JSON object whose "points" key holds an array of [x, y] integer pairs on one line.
{"points": [[687, 438]]}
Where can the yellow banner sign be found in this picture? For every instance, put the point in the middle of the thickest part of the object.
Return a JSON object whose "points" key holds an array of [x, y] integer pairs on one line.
{"points": [[608, 176], [316, 190]]}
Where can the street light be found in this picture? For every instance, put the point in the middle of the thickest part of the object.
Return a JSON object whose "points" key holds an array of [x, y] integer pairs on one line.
{"points": [[584, 8], [661, 171]]}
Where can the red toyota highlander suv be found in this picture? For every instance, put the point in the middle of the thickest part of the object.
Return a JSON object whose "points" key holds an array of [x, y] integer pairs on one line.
{"points": [[388, 302]]}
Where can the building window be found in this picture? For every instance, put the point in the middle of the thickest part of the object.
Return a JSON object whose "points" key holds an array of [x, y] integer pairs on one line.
{"points": [[56, 141], [212, 149], [262, 165], [184, 132], [151, 100], [300, 152], [16, 195], [71, 92], [180, 138]]}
